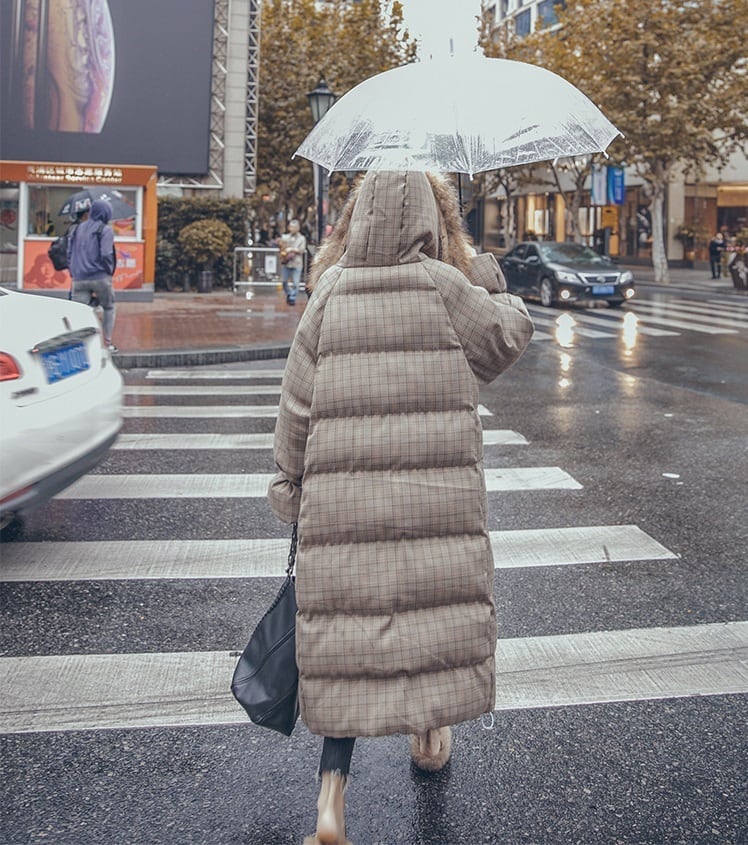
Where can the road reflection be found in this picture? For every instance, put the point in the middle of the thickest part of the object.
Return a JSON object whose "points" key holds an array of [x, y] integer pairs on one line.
{"points": [[630, 333], [565, 330], [565, 366]]}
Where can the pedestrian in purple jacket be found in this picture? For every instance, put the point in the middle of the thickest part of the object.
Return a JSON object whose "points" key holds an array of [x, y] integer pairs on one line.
{"points": [[92, 260]]}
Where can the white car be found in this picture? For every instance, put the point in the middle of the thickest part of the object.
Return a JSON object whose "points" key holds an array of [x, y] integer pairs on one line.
{"points": [[60, 398]]}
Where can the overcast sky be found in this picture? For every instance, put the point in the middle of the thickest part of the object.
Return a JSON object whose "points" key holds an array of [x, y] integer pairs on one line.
{"points": [[436, 21]]}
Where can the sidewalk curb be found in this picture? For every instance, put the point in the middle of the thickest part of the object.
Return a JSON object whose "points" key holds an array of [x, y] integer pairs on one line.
{"points": [[198, 357]]}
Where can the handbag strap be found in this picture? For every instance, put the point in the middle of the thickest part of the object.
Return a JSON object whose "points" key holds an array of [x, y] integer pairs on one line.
{"points": [[292, 552]]}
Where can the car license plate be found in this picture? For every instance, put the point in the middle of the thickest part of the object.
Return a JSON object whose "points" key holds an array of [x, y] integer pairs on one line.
{"points": [[603, 290], [62, 363]]}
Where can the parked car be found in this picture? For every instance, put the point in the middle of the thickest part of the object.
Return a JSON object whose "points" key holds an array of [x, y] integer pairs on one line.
{"points": [[554, 271], [60, 398]]}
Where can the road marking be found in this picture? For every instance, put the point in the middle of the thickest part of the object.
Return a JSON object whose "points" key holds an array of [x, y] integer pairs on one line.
{"points": [[206, 375], [723, 309], [116, 560], [738, 307], [210, 442], [617, 321], [633, 665], [96, 691], [692, 312], [197, 486], [202, 390], [216, 411], [199, 411], [679, 324], [538, 335], [549, 322]]}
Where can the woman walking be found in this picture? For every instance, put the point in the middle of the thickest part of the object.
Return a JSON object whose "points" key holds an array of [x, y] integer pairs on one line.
{"points": [[378, 447]]}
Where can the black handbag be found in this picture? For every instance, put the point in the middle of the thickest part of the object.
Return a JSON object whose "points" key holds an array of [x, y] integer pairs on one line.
{"points": [[266, 679]]}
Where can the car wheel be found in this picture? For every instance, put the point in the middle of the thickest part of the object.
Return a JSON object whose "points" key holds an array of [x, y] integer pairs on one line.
{"points": [[546, 293]]}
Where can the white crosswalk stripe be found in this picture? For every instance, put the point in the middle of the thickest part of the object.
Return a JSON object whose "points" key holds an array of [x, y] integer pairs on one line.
{"points": [[653, 318], [214, 375], [255, 485], [202, 390], [737, 307], [617, 321], [149, 559], [123, 690], [691, 312], [130, 442], [96, 691], [215, 411], [550, 322]]}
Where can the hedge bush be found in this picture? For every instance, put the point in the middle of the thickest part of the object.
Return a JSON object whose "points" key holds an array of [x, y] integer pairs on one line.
{"points": [[204, 242], [174, 214]]}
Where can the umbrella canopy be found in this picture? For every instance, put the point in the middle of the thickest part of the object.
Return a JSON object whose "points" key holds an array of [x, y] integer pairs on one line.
{"points": [[457, 115], [81, 201]]}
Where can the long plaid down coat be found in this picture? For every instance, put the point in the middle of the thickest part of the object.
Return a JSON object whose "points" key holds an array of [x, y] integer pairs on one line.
{"points": [[378, 444]]}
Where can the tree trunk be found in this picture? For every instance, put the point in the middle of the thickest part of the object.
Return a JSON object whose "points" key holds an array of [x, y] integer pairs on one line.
{"points": [[510, 227], [576, 203], [659, 255]]}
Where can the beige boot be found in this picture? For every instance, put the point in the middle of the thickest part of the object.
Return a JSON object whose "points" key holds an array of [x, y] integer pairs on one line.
{"points": [[430, 751], [330, 812]]}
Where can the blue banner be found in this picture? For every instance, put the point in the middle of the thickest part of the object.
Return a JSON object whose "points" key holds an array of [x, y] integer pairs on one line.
{"points": [[616, 186]]}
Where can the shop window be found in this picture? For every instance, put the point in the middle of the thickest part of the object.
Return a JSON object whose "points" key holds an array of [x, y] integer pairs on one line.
{"points": [[45, 202], [8, 232]]}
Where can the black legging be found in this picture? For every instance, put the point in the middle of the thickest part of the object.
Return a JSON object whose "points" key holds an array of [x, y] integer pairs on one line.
{"points": [[336, 755]]}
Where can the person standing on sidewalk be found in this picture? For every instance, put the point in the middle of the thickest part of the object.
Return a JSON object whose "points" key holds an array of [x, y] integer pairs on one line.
{"points": [[378, 446], [92, 261], [716, 248], [292, 247]]}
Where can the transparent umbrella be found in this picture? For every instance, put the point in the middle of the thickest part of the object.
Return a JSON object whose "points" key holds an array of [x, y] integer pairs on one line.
{"points": [[457, 115]]}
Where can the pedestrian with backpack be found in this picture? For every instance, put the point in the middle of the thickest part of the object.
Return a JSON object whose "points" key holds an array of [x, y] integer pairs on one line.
{"points": [[92, 260]]}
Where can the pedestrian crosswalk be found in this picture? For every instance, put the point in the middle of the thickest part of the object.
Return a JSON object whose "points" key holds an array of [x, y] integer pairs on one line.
{"points": [[93, 691], [646, 317]]}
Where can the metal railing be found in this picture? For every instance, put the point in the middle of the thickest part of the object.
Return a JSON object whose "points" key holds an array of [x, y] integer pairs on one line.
{"points": [[258, 267]]}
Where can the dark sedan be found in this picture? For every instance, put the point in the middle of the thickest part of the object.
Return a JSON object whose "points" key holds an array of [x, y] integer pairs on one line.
{"points": [[556, 272]]}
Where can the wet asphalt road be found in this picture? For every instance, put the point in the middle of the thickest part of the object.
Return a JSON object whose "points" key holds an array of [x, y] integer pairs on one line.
{"points": [[652, 427]]}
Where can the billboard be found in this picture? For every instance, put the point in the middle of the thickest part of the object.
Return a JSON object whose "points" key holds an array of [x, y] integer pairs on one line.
{"points": [[107, 81]]}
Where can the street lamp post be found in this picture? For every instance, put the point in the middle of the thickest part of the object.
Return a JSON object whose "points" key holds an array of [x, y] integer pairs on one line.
{"points": [[320, 101]]}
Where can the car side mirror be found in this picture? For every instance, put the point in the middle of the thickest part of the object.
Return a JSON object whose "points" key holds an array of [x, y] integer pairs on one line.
{"points": [[533, 259]]}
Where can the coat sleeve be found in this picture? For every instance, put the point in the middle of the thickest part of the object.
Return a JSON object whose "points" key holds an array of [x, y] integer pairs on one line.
{"points": [[106, 243], [292, 426], [493, 325]]}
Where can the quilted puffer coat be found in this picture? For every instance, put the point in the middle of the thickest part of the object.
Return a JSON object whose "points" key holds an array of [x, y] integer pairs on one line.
{"points": [[378, 446]]}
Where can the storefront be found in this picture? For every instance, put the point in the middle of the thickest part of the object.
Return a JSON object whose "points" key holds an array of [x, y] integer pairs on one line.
{"points": [[31, 197]]}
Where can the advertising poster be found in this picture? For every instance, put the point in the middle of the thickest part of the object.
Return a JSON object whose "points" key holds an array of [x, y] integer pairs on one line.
{"points": [[107, 81], [39, 274]]}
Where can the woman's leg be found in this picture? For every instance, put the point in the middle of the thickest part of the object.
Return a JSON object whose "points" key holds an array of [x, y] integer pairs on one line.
{"points": [[104, 291], [333, 769], [336, 755]]}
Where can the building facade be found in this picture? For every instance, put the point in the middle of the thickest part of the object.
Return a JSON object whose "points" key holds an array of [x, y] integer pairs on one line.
{"points": [[715, 201], [173, 110]]}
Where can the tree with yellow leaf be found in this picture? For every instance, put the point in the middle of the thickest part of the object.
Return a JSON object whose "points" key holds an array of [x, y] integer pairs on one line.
{"points": [[672, 76], [301, 43]]}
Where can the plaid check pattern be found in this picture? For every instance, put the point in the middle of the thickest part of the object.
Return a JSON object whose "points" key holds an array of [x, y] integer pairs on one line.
{"points": [[379, 453]]}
